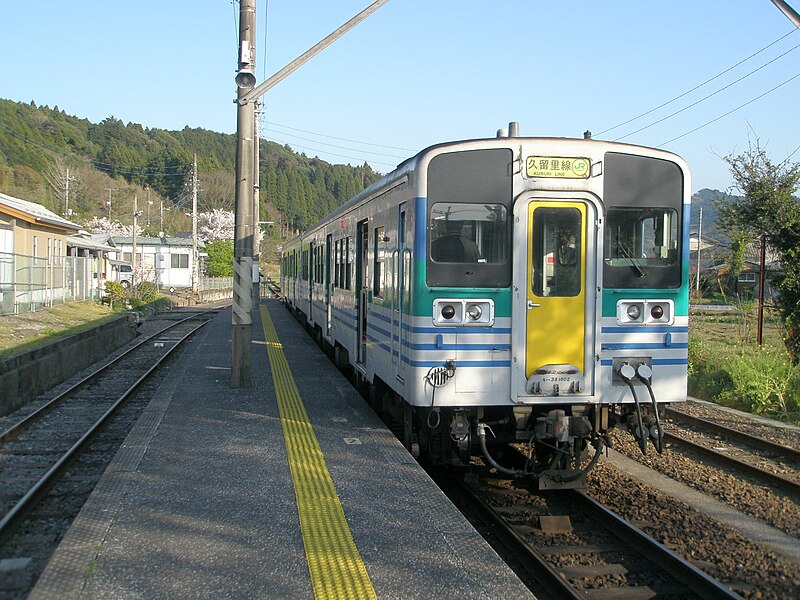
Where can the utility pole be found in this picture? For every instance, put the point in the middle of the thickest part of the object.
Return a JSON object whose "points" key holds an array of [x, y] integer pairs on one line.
{"points": [[134, 263], [67, 178], [242, 318], [108, 203], [149, 204], [256, 202], [194, 225], [245, 227], [699, 243]]}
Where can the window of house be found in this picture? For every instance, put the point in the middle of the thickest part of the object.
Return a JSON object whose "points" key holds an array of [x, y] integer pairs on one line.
{"points": [[180, 261]]}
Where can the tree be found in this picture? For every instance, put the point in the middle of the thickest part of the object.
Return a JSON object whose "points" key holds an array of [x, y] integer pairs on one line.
{"points": [[216, 225], [220, 258], [767, 206]]}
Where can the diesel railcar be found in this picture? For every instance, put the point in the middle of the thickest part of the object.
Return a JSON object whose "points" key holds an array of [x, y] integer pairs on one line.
{"points": [[508, 297]]}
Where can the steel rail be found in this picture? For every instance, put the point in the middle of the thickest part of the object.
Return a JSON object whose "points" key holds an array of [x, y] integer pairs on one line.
{"points": [[53, 403], [546, 575], [23, 507], [774, 479], [682, 570], [734, 434]]}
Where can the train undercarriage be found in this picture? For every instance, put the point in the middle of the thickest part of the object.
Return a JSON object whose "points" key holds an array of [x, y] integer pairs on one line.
{"points": [[557, 445]]}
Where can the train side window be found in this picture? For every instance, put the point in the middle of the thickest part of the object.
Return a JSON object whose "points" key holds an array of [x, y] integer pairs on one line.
{"points": [[379, 255], [348, 263], [337, 263]]}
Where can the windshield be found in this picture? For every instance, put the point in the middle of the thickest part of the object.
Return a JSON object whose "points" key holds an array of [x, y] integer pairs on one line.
{"points": [[641, 248], [468, 233], [468, 225]]}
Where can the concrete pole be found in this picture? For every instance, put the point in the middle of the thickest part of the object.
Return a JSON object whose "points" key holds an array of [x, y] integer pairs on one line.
{"points": [[242, 319], [134, 264], [194, 225], [699, 243], [256, 210]]}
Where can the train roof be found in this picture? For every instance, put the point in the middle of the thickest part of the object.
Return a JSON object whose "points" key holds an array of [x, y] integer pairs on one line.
{"points": [[411, 164]]}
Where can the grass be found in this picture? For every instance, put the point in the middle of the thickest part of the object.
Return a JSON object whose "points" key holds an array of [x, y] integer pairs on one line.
{"points": [[727, 366], [26, 331]]}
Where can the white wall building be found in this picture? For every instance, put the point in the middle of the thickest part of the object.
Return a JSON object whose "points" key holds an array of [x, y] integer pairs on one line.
{"points": [[166, 261]]}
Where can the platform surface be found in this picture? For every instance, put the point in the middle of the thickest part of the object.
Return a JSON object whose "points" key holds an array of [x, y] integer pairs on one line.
{"points": [[201, 502]]}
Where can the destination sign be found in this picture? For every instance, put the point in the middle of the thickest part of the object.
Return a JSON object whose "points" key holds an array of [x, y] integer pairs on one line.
{"points": [[563, 167]]}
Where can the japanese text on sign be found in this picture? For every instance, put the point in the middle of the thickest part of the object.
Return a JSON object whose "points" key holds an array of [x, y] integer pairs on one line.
{"points": [[557, 166]]}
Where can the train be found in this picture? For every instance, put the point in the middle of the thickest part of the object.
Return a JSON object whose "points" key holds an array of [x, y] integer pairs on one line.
{"points": [[508, 298]]}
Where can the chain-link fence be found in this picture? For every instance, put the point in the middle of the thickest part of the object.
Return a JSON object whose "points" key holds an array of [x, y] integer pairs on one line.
{"points": [[30, 283]]}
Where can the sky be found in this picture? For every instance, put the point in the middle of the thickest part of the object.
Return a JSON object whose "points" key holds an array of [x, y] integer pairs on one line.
{"points": [[706, 78]]}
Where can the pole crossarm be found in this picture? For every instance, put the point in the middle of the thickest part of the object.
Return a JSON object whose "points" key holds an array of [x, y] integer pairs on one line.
{"points": [[275, 79], [788, 12]]}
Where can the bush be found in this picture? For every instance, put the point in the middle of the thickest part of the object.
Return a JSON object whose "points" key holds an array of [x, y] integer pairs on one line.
{"points": [[707, 376], [766, 382], [114, 292]]}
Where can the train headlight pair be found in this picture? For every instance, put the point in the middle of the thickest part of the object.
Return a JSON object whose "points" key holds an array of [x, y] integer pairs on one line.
{"points": [[448, 312], [645, 312]]}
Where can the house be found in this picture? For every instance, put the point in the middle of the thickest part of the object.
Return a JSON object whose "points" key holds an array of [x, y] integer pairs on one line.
{"points": [[30, 229], [746, 285], [34, 269], [166, 261]]}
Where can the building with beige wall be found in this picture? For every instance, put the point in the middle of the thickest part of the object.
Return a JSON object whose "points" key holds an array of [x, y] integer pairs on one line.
{"points": [[30, 229]]}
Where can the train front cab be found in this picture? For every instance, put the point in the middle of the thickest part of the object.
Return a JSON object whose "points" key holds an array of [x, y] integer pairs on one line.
{"points": [[598, 309], [600, 305]]}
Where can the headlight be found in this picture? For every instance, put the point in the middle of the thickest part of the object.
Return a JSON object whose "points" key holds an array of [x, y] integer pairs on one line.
{"points": [[634, 312], [474, 311], [450, 312]]}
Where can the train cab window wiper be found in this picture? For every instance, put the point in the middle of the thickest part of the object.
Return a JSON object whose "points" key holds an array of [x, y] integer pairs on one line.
{"points": [[626, 252]]}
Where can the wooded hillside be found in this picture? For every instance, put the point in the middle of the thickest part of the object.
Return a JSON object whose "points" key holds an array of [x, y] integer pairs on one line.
{"points": [[44, 152]]}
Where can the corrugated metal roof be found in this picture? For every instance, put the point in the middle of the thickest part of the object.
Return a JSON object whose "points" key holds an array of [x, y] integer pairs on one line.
{"points": [[153, 241], [37, 211]]}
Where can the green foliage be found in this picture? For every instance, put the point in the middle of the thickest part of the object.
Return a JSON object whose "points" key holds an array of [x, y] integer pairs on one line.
{"points": [[220, 258], [114, 292], [145, 292], [765, 382], [296, 189], [769, 208], [707, 377]]}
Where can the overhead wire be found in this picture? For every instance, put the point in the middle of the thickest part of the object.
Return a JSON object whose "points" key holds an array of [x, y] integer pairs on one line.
{"points": [[341, 138], [280, 141], [340, 147], [729, 112], [693, 104], [697, 87]]}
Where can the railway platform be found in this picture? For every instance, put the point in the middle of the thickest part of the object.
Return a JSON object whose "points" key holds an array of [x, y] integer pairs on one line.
{"points": [[291, 488]]}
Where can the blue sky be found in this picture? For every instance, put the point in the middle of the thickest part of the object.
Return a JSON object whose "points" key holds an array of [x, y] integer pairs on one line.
{"points": [[419, 72]]}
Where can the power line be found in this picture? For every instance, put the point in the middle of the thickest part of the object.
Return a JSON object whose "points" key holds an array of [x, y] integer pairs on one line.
{"points": [[341, 139], [722, 89], [717, 76], [342, 147], [729, 112], [274, 139]]}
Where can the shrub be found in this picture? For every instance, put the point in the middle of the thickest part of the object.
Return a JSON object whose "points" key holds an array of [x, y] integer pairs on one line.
{"points": [[114, 292], [707, 376], [766, 382]]}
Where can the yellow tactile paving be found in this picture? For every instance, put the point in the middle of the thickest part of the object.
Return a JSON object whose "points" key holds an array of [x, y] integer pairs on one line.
{"points": [[334, 563]]}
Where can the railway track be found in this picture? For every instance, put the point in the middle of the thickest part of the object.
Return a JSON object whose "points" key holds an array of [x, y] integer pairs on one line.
{"points": [[51, 458], [772, 464], [567, 545]]}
